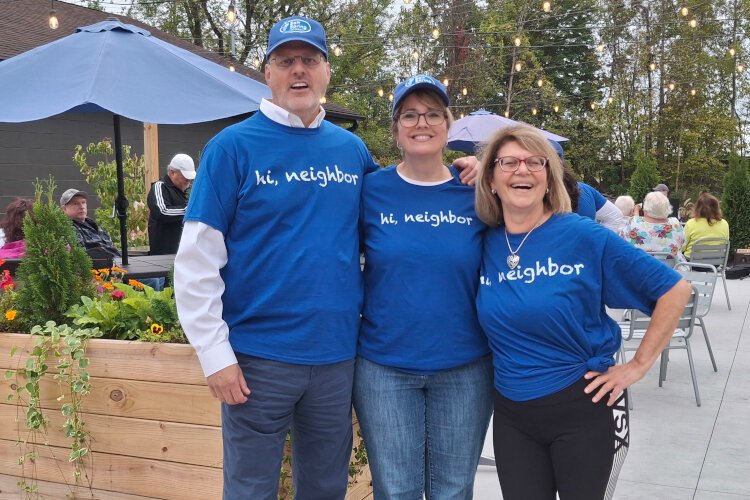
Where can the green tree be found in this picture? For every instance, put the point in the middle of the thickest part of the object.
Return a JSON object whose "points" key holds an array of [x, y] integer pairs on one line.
{"points": [[55, 272], [735, 202], [645, 176]]}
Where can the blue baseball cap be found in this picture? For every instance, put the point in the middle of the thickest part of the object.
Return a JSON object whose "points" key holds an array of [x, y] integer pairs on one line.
{"points": [[299, 29], [558, 148], [417, 82]]}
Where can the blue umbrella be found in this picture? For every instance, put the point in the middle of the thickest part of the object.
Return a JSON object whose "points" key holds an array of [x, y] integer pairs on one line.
{"points": [[121, 68], [471, 132]]}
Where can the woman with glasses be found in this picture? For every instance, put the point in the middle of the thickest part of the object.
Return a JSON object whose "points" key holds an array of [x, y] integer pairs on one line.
{"points": [[422, 384], [561, 421]]}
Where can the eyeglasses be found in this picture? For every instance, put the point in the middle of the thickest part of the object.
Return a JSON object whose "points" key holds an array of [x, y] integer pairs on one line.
{"points": [[288, 62], [511, 163], [411, 118]]}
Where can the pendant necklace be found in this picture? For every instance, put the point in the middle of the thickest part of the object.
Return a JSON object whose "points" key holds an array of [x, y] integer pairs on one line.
{"points": [[513, 259]]}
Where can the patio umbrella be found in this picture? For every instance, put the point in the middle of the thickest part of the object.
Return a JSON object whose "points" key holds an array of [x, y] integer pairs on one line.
{"points": [[120, 68], [470, 132]]}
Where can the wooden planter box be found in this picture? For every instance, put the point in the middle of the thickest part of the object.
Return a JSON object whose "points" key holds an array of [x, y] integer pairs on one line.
{"points": [[155, 429]]}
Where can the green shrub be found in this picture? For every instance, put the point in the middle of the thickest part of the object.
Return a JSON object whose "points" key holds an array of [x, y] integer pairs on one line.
{"points": [[735, 202], [645, 176], [55, 272]]}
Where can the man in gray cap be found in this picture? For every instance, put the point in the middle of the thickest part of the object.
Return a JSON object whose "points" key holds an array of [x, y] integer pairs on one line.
{"points": [[74, 204], [663, 189], [167, 201]]}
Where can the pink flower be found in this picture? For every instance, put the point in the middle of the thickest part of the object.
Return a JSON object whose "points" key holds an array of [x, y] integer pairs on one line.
{"points": [[118, 295], [67, 247]]}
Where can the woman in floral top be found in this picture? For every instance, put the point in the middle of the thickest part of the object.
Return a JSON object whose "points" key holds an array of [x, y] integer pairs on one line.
{"points": [[655, 231]]}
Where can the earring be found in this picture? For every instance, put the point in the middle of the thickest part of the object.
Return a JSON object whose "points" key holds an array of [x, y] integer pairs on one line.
{"points": [[493, 191], [546, 191]]}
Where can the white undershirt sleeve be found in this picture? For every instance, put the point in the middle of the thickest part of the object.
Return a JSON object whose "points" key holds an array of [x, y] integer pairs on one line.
{"points": [[610, 216], [198, 289]]}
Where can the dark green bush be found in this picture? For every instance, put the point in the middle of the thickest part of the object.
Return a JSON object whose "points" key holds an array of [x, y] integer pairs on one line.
{"points": [[735, 202]]}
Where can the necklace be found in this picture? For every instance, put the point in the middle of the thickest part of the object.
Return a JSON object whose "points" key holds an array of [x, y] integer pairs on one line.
{"points": [[513, 259]]}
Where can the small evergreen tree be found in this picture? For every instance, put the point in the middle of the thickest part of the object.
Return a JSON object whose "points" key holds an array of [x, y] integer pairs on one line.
{"points": [[56, 271], [645, 176], [735, 203]]}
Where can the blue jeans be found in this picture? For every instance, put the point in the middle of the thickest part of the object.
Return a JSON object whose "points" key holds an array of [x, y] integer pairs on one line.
{"points": [[423, 433], [315, 401]]}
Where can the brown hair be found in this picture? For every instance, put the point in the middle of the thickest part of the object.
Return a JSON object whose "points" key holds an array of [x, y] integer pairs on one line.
{"points": [[488, 206], [427, 97], [707, 206], [12, 223]]}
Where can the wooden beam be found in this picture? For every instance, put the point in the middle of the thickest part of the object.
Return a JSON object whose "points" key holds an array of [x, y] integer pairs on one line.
{"points": [[151, 153]]}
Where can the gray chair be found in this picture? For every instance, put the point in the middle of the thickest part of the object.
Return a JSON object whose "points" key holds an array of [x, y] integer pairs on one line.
{"points": [[664, 257], [635, 329], [703, 278], [713, 251]]}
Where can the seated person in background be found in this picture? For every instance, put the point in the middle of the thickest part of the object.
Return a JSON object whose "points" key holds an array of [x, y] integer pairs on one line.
{"points": [[14, 246], [674, 202], [585, 200], [706, 222], [626, 204], [656, 231], [74, 204], [167, 201]]}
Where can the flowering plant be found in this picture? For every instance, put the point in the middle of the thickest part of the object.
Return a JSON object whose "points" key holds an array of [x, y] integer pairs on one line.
{"points": [[8, 311], [129, 310]]}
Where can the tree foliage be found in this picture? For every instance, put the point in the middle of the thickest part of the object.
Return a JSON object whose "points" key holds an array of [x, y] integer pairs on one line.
{"points": [[645, 176], [735, 203]]}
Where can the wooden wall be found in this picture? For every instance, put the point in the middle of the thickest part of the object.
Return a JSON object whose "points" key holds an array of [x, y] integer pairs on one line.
{"points": [[155, 429]]}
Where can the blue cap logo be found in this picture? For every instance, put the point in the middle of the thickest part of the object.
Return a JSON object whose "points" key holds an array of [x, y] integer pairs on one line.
{"points": [[295, 26], [420, 79]]}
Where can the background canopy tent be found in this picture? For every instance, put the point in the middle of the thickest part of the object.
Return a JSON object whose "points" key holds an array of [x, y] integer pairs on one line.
{"points": [[471, 132], [120, 68]]}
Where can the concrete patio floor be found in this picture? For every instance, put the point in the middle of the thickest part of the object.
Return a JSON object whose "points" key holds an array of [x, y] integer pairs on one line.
{"points": [[679, 451]]}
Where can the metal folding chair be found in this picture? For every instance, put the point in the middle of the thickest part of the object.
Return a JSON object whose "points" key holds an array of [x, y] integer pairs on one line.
{"points": [[713, 251], [635, 329], [703, 278], [664, 257]]}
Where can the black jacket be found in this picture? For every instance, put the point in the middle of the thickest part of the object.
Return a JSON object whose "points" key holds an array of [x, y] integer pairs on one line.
{"points": [[166, 205], [91, 236]]}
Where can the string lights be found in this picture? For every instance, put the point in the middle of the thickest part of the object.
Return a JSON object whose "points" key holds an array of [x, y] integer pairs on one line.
{"points": [[445, 81], [231, 13], [547, 6], [53, 22]]}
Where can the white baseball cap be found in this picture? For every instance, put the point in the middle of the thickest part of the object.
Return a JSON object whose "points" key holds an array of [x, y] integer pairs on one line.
{"points": [[184, 164]]}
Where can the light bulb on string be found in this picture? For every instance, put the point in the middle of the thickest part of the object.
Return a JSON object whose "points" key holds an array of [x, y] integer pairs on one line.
{"points": [[435, 33], [693, 23], [464, 91], [671, 86], [547, 6], [732, 51], [556, 107], [519, 66], [337, 50], [534, 111], [539, 82], [231, 68], [652, 66], [415, 55], [390, 97], [600, 47], [380, 92], [256, 62], [610, 100], [593, 106], [445, 81], [517, 41], [740, 68], [693, 91], [407, 2], [507, 114], [462, 115], [53, 22], [684, 11], [231, 14]]}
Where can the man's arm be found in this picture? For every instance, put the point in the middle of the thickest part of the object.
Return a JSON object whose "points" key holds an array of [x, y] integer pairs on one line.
{"points": [[469, 166], [198, 290], [610, 216], [160, 207]]}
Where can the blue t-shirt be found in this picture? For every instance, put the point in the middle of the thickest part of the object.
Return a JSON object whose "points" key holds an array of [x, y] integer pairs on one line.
{"points": [[589, 201], [287, 202], [422, 249], [546, 320]]}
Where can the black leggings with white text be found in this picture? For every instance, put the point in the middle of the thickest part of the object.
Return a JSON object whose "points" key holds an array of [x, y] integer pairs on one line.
{"points": [[562, 443]]}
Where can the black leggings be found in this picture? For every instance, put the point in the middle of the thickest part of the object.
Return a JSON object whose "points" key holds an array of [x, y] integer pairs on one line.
{"points": [[560, 443]]}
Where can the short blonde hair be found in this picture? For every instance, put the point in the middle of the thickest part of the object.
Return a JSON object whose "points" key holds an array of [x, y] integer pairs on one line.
{"points": [[488, 206], [657, 205], [427, 97]]}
